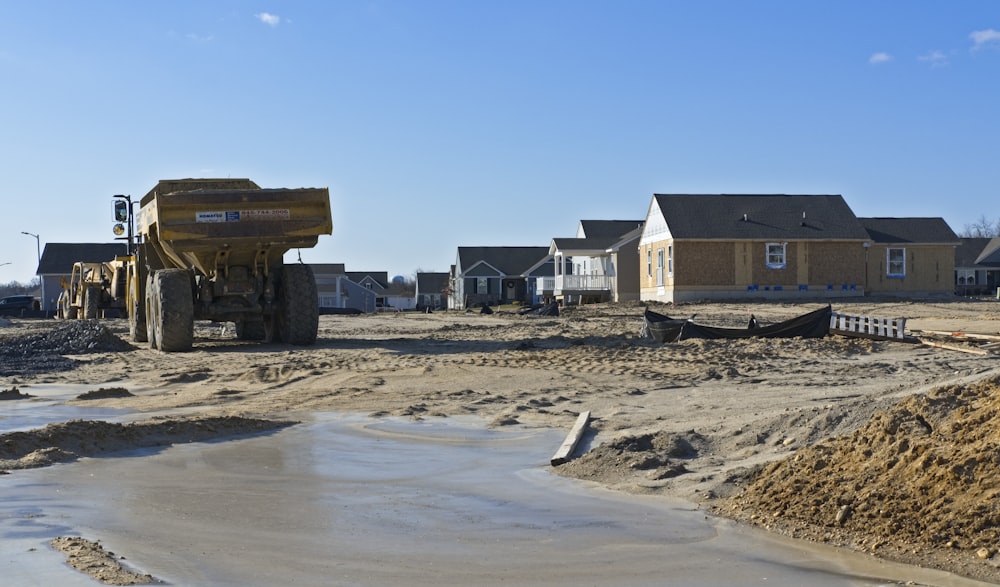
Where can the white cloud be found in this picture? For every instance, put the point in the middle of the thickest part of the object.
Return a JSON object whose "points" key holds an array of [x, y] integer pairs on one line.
{"points": [[985, 38], [878, 58], [268, 18], [934, 58]]}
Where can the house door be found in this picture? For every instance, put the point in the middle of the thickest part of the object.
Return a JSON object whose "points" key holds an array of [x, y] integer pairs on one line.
{"points": [[509, 290]]}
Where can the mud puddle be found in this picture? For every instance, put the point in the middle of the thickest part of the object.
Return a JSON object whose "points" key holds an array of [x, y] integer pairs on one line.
{"points": [[350, 500]]}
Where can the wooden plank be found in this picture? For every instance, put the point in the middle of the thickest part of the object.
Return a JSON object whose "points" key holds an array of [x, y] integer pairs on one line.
{"points": [[952, 348], [572, 439], [960, 334]]}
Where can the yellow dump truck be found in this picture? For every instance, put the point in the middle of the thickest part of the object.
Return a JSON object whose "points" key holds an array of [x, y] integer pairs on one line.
{"points": [[213, 249]]}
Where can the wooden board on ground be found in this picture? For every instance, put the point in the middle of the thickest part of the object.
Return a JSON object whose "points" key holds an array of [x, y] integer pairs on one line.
{"points": [[572, 439]]}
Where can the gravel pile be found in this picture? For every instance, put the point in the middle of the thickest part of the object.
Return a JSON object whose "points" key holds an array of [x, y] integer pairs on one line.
{"points": [[44, 351]]}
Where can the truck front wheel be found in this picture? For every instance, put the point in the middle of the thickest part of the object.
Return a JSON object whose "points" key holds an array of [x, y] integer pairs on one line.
{"points": [[91, 302], [137, 319], [170, 311]]}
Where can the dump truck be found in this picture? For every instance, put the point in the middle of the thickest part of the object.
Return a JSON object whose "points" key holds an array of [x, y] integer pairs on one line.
{"points": [[92, 289], [213, 249]]}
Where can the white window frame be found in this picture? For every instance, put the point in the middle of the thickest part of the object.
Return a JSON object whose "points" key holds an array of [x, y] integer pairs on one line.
{"points": [[649, 261], [775, 255], [659, 266], [482, 285], [895, 268], [670, 260]]}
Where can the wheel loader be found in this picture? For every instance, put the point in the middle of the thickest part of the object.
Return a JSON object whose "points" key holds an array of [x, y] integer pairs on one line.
{"points": [[213, 249], [92, 289]]}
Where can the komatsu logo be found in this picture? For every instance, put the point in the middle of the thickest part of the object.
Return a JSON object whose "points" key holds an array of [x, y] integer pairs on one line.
{"points": [[242, 215]]}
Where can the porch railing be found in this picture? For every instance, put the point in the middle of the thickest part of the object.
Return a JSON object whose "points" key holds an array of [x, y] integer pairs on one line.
{"points": [[565, 283]]}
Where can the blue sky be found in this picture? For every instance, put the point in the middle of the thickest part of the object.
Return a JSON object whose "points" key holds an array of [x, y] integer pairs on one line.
{"points": [[439, 124]]}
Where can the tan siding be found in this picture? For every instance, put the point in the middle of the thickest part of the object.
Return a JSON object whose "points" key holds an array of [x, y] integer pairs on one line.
{"points": [[704, 263], [762, 275], [929, 268], [743, 274], [802, 263], [837, 264]]}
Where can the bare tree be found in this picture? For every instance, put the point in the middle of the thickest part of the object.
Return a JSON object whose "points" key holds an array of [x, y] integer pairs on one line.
{"points": [[982, 228]]}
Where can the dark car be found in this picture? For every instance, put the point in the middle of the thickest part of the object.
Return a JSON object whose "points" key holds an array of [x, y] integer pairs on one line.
{"points": [[14, 305]]}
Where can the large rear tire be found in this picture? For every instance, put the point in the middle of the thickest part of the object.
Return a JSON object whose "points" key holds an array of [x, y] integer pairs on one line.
{"points": [[170, 306], [297, 318], [91, 302]]}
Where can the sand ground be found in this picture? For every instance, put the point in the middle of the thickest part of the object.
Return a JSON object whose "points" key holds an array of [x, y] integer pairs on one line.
{"points": [[693, 420]]}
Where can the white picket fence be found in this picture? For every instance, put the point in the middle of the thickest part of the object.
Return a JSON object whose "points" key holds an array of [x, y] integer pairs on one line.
{"points": [[868, 326]]}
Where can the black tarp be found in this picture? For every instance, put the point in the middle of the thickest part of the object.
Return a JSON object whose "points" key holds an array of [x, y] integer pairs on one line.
{"points": [[815, 324]]}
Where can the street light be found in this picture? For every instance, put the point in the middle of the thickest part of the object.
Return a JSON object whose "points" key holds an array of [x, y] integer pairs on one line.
{"points": [[38, 245]]}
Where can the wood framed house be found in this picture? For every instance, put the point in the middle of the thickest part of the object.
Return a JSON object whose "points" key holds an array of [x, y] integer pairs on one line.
{"points": [[910, 256], [496, 275], [977, 266], [721, 246], [599, 264]]}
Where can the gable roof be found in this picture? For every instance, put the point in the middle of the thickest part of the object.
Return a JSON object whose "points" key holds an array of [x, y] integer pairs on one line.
{"points": [[990, 254], [431, 283], [379, 277], [58, 258], [759, 216], [508, 260], [607, 228], [909, 230], [967, 254]]}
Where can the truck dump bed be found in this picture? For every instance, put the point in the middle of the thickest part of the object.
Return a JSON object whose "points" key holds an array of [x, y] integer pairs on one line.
{"points": [[207, 223]]}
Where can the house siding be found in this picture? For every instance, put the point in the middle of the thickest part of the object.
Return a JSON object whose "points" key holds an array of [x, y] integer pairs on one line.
{"points": [[930, 270], [702, 263], [737, 270], [836, 265], [627, 267]]}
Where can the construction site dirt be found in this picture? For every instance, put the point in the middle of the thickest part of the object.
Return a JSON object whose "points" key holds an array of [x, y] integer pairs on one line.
{"points": [[882, 449]]}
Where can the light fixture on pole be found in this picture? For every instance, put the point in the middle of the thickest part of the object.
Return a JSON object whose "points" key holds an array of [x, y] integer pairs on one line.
{"points": [[38, 244]]}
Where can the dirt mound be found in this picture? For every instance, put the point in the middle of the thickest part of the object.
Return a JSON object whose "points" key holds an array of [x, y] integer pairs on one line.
{"points": [[67, 441], [917, 483], [90, 557], [653, 456], [104, 393], [43, 352], [12, 394]]}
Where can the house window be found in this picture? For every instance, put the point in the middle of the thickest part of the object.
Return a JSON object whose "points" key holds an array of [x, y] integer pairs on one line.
{"points": [[670, 261], [482, 285], [659, 266], [776, 255], [966, 276], [649, 261], [895, 262]]}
